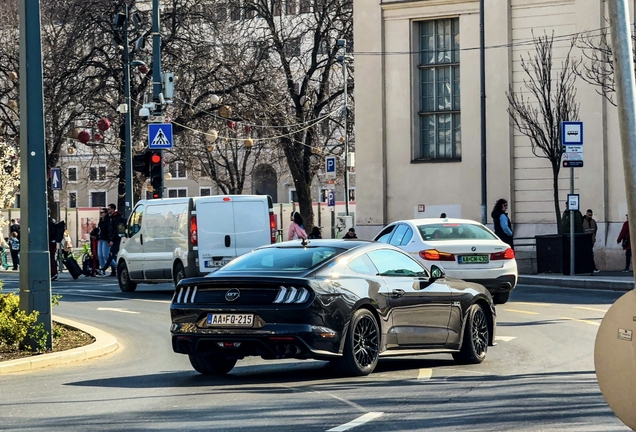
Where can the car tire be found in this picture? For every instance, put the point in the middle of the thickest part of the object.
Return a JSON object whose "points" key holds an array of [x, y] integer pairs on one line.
{"points": [[179, 273], [210, 364], [501, 298], [125, 284], [476, 337], [362, 346]]}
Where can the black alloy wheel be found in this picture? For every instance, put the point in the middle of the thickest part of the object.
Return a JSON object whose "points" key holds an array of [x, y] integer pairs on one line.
{"points": [[362, 345], [476, 337], [179, 273], [210, 364], [125, 284]]}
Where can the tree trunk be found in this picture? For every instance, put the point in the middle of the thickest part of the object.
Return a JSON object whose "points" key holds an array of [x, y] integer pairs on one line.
{"points": [[121, 176], [555, 186]]}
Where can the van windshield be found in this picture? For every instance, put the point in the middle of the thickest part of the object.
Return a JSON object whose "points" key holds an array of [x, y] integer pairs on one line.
{"points": [[282, 259]]}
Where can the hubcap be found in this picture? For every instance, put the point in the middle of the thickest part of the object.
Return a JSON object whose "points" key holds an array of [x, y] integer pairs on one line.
{"points": [[365, 341], [480, 332]]}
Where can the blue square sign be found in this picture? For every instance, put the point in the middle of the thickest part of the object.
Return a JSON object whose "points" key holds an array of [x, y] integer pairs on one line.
{"points": [[160, 135]]}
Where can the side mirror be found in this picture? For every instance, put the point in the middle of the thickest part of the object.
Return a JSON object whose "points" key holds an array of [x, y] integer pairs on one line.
{"points": [[437, 273]]}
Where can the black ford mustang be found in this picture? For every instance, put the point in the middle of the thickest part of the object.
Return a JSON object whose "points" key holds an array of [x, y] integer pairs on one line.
{"points": [[346, 301]]}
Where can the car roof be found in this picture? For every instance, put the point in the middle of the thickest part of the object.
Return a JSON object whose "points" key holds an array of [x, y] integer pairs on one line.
{"points": [[338, 243], [432, 221]]}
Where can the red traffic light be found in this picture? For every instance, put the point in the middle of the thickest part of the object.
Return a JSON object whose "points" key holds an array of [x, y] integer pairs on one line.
{"points": [[155, 158]]}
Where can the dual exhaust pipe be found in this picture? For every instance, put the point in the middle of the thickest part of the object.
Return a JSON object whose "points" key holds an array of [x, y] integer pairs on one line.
{"points": [[287, 349]]}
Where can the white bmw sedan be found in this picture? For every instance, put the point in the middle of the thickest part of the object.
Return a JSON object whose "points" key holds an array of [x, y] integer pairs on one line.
{"points": [[463, 248]]}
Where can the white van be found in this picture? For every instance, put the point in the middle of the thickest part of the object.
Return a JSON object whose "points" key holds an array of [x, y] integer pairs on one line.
{"points": [[172, 238]]}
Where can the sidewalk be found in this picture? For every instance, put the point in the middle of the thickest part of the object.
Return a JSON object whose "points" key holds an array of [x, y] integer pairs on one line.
{"points": [[604, 280]]}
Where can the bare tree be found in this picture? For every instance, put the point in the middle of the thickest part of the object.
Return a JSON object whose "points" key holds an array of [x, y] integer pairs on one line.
{"points": [[549, 99]]}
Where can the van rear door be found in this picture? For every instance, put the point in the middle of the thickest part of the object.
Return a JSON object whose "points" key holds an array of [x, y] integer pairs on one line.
{"points": [[215, 224], [229, 226]]}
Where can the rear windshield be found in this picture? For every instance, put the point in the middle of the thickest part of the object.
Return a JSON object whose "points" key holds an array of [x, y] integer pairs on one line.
{"points": [[454, 231], [278, 259]]}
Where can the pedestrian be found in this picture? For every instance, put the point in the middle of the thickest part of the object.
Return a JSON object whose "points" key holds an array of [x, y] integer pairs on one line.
{"points": [[351, 234], [116, 224], [52, 248], [443, 216], [315, 233], [14, 227], [66, 244], [296, 229], [14, 246], [503, 226], [103, 238], [623, 239], [94, 235], [4, 250], [565, 221], [590, 227]]}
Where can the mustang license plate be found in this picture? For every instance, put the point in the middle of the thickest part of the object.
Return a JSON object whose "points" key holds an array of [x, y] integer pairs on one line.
{"points": [[473, 259], [242, 320], [219, 263]]}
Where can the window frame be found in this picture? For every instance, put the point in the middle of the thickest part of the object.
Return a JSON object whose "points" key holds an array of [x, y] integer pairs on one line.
{"points": [[95, 191], [68, 173], [177, 190], [68, 198], [98, 173], [176, 172]]}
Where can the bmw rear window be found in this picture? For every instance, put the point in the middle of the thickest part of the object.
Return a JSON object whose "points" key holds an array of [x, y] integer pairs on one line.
{"points": [[291, 259], [454, 231]]}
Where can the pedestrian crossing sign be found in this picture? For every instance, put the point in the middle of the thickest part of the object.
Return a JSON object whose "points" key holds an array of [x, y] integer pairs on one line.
{"points": [[160, 135]]}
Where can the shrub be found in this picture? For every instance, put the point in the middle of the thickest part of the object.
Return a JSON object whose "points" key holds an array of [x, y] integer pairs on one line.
{"points": [[16, 324]]}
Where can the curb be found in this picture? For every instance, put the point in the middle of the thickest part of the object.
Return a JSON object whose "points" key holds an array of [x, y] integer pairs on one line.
{"points": [[583, 283], [104, 344]]}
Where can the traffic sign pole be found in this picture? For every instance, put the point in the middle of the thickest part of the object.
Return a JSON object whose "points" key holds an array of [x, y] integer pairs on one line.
{"points": [[572, 142]]}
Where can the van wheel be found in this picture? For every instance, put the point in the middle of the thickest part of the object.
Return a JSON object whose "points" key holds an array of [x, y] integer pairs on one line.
{"points": [[125, 284], [179, 273]]}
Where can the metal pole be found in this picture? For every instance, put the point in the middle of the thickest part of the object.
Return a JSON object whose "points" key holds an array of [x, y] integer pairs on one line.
{"points": [[572, 272], [156, 73], [482, 85], [620, 31], [35, 263], [346, 136], [127, 124]]}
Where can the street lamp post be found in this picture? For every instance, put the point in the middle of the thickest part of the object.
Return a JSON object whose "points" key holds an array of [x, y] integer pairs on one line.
{"points": [[156, 74], [343, 59]]}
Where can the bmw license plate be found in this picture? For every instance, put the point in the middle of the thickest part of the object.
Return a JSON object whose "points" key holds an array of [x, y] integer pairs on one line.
{"points": [[214, 264], [241, 320], [473, 259]]}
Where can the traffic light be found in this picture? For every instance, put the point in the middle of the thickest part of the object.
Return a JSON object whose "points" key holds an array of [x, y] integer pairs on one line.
{"points": [[156, 173], [141, 163]]}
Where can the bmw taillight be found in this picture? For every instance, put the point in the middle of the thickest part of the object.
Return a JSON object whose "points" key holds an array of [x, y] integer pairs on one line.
{"points": [[193, 231], [505, 255], [435, 255], [272, 226]]}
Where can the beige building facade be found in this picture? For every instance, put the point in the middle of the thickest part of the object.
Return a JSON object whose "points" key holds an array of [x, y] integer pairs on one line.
{"points": [[418, 116]]}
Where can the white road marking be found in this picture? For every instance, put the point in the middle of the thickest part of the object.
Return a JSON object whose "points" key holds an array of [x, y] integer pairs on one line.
{"points": [[357, 422], [582, 321], [591, 309], [425, 374], [521, 311], [505, 338], [532, 303], [122, 298], [117, 310]]}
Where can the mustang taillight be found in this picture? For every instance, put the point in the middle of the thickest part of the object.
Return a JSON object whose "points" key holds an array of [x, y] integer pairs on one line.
{"points": [[505, 255], [291, 295], [435, 255], [185, 295]]}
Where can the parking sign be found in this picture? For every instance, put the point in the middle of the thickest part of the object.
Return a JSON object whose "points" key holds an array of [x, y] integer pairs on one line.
{"points": [[330, 167], [331, 198]]}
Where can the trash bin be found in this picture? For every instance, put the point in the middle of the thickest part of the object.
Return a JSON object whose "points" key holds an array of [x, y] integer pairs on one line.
{"points": [[553, 253]]}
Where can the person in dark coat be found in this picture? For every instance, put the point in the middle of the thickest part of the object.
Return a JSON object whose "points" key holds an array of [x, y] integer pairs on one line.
{"points": [[103, 250], [14, 228], [115, 219], [53, 247], [626, 243], [315, 233], [503, 227]]}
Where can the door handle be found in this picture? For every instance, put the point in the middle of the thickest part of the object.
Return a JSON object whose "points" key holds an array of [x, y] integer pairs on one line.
{"points": [[397, 292], [141, 239], [227, 241]]}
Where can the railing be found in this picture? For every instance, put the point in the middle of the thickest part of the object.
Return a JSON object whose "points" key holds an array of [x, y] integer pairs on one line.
{"points": [[526, 254]]}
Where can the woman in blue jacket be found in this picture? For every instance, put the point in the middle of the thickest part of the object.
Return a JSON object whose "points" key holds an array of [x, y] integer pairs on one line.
{"points": [[503, 227]]}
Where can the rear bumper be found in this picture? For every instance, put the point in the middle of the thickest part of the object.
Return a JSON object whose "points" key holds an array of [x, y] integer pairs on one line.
{"points": [[503, 283], [273, 341]]}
